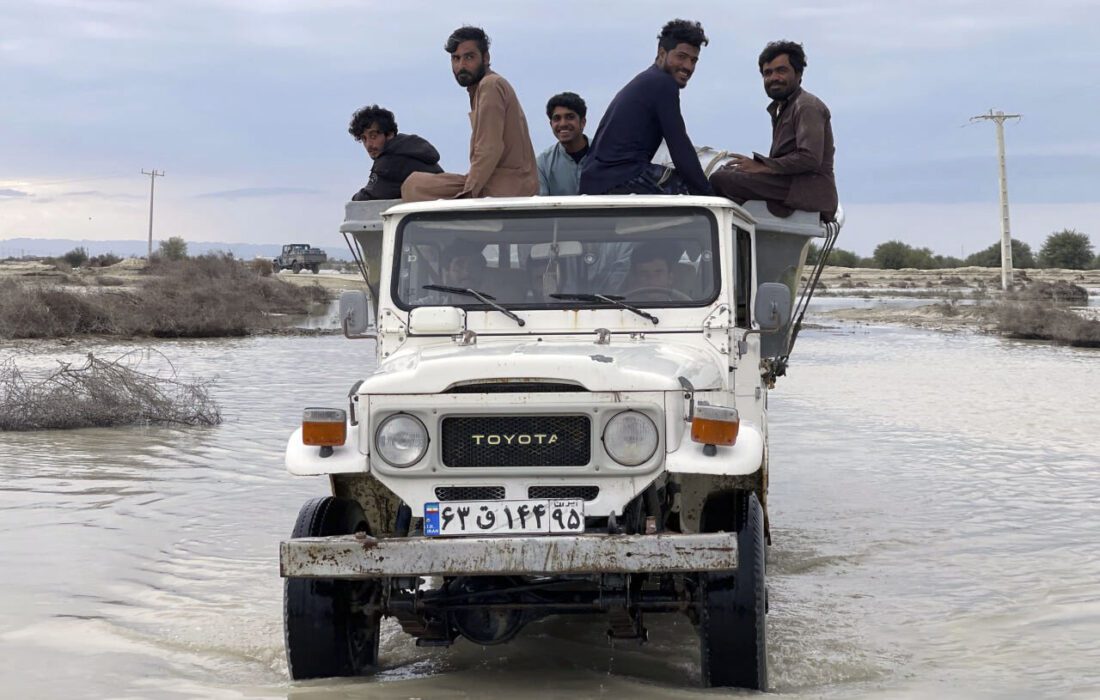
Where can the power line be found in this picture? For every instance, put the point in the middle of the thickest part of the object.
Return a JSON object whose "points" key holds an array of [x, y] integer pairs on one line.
{"points": [[999, 118], [153, 175]]}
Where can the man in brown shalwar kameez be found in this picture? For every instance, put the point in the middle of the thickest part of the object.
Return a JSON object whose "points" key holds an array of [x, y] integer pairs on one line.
{"points": [[798, 171], [502, 159]]}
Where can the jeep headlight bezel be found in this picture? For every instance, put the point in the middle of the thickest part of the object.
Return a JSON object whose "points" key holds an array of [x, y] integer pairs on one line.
{"points": [[631, 438], [401, 440]]}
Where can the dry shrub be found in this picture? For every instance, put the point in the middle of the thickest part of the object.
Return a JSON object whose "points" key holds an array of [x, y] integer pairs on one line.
{"points": [[102, 393], [216, 295], [109, 281], [1057, 291], [949, 307], [36, 311], [206, 296], [1044, 321], [262, 267]]}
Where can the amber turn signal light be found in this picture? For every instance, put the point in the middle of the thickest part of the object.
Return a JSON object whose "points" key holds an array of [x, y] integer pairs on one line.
{"points": [[715, 425], [324, 427]]}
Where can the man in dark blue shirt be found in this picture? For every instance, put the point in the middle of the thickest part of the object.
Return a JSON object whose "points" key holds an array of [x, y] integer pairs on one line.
{"points": [[644, 112]]}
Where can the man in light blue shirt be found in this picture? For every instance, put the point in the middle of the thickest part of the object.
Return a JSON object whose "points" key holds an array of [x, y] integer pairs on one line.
{"points": [[560, 165], [604, 266]]}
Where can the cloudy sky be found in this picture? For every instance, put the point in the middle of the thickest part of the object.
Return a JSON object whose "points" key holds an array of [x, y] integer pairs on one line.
{"points": [[245, 103]]}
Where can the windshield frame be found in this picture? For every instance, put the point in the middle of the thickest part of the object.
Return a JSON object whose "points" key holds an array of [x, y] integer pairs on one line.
{"points": [[671, 210]]}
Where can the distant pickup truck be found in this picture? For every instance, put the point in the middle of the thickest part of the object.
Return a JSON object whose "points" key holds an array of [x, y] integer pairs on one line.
{"points": [[298, 257]]}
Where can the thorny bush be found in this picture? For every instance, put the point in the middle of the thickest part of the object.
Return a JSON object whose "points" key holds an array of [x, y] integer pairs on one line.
{"points": [[102, 393]]}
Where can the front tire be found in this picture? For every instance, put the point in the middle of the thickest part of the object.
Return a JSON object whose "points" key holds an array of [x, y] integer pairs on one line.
{"points": [[327, 631], [732, 630]]}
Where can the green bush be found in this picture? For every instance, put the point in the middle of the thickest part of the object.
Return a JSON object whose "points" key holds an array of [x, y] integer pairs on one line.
{"points": [[1067, 249], [104, 260], [844, 258], [1022, 257], [175, 248], [895, 255], [76, 257], [944, 262]]}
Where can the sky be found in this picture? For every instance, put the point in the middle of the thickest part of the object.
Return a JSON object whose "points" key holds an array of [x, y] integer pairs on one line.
{"points": [[244, 105]]}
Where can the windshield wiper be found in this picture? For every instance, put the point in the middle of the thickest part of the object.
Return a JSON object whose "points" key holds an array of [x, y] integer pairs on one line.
{"points": [[480, 296], [607, 299]]}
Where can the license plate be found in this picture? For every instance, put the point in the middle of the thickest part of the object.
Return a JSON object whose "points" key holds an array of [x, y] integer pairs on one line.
{"points": [[456, 518]]}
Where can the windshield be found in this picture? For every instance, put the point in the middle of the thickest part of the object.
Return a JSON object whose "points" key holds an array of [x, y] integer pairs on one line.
{"points": [[558, 259]]}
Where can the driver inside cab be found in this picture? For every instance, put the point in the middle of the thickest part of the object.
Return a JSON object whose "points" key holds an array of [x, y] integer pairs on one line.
{"points": [[651, 271], [464, 265]]}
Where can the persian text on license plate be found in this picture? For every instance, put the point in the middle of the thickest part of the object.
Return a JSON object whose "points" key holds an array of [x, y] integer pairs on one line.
{"points": [[503, 517]]}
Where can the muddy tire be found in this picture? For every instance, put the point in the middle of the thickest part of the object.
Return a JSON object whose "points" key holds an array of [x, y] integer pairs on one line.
{"points": [[315, 268], [295, 267], [732, 630], [327, 632]]}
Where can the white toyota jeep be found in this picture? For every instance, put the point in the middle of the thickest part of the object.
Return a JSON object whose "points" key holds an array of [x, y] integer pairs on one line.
{"points": [[568, 415]]}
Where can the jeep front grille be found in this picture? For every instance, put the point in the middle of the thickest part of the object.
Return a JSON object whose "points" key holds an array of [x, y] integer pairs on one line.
{"points": [[469, 493], [516, 441], [514, 388], [586, 493]]}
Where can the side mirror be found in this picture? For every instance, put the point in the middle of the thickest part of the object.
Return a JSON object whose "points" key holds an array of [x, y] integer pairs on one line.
{"points": [[355, 313], [773, 306]]}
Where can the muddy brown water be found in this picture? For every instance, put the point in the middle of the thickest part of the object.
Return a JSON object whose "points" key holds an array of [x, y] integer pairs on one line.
{"points": [[935, 506]]}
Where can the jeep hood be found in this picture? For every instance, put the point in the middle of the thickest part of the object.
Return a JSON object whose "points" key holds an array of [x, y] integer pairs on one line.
{"points": [[631, 366]]}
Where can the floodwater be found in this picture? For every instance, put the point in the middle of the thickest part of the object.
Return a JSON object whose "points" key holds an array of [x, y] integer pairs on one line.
{"points": [[935, 503]]}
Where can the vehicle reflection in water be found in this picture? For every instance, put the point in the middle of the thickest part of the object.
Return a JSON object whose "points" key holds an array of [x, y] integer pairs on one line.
{"points": [[934, 511]]}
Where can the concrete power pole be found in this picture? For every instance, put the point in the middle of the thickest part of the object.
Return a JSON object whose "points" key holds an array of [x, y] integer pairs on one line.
{"points": [[153, 175], [999, 118]]}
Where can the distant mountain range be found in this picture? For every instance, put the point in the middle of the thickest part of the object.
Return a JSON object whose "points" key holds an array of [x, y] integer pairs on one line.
{"points": [[20, 247]]}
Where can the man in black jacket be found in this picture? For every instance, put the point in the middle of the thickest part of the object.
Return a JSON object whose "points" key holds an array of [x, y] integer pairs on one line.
{"points": [[645, 112], [395, 155]]}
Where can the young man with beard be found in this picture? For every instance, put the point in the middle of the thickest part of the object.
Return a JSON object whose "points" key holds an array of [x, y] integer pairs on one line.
{"points": [[502, 159], [560, 165], [798, 171], [395, 156], [645, 112]]}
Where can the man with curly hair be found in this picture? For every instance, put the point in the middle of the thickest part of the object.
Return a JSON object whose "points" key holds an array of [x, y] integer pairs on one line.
{"points": [[798, 171], [645, 112], [502, 159], [560, 165], [395, 155]]}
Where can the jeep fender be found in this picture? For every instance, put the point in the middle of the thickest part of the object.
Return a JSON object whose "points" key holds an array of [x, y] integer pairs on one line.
{"points": [[306, 460], [743, 457]]}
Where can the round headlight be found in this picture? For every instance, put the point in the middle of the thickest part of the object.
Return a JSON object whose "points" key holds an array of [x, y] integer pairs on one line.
{"points": [[402, 440], [630, 438]]}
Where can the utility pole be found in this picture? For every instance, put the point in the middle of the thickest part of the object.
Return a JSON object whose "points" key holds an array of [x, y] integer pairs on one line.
{"points": [[999, 118], [153, 175]]}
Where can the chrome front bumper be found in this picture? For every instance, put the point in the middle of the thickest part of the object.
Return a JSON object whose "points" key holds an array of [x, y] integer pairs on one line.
{"points": [[358, 557]]}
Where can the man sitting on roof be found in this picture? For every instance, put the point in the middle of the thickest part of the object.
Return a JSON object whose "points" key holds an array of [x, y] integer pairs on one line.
{"points": [[643, 113], [502, 159], [395, 156], [798, 172], [560, 165]]}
